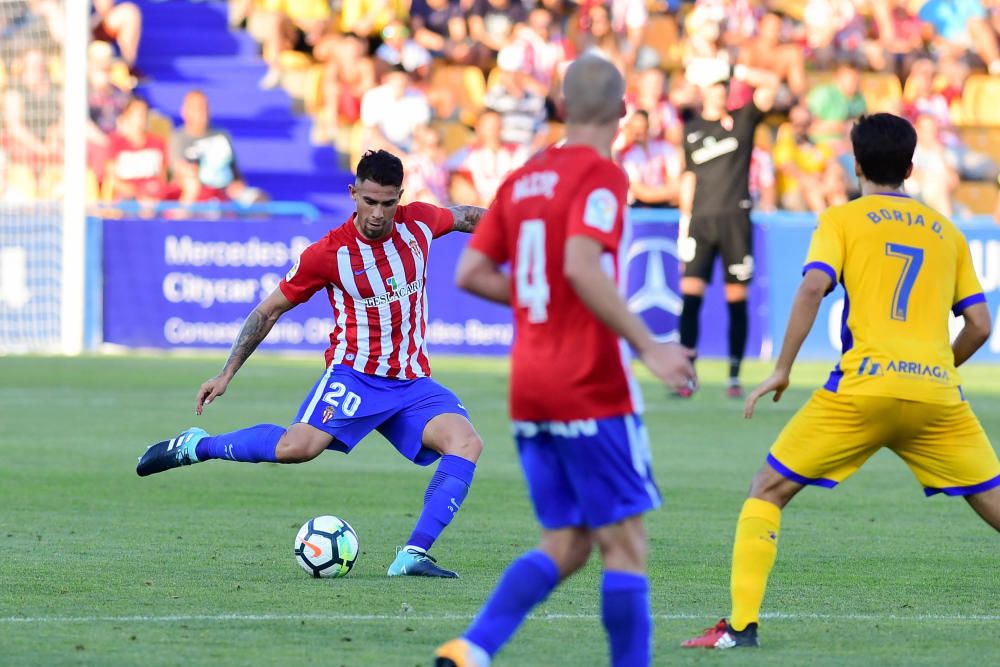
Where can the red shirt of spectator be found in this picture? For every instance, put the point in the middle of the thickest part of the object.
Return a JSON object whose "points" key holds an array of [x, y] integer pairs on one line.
{"points": [[141, 166]]}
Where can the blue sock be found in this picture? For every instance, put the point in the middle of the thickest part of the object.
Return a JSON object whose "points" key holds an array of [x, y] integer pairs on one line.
{"points": [[525, 584], [249, 445], [626, 617], [445, 494]]}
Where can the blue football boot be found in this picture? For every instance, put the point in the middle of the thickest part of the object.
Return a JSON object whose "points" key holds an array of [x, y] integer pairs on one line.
{"points": [[415, 563], [171, 453]]}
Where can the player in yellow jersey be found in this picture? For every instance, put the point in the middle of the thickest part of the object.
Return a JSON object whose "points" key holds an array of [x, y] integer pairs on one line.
{"points": [[903, 267]]}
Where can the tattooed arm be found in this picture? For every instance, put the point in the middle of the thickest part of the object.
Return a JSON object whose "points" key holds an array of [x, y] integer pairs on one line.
{"points": [[466, 217], [255, 329]]}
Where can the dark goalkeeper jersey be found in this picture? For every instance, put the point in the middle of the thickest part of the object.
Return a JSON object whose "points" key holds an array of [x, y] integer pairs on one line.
{"points": [[720, 158]]}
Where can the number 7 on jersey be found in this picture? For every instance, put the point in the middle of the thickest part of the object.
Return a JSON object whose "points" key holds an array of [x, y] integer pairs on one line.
{"points": [[532, 283]]}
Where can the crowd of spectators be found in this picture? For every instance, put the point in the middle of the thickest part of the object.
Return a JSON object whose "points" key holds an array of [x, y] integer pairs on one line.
{"points": [[466, 90]]}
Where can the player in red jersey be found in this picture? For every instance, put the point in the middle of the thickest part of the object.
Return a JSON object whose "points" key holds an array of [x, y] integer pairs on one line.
{"points": [[560, 223], [373, 268]]}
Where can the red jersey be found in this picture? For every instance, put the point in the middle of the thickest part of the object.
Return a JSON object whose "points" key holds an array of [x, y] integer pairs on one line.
{"points": [[566, 364], [376, 289]]}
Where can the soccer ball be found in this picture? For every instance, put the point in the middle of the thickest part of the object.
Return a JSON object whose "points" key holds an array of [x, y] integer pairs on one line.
{"points": [[326, 546]]}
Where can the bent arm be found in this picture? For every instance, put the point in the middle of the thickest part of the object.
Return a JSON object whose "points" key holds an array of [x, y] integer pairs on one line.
{"points": [[466, 217], [255, 329], [974, 334], [480, 275], [600, 294], [810, 294]]}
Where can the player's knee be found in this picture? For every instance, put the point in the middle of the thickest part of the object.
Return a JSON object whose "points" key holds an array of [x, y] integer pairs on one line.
{"points": [[772, 487], [468, 446], [570, 550], [624, 546], [291, 449]]}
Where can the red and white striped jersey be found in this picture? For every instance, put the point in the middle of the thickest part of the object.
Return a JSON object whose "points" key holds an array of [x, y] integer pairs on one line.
{"points": [[376, 289]]}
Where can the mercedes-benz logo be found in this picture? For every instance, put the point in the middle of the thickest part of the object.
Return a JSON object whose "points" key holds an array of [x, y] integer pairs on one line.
{"points": [[654, 292]]}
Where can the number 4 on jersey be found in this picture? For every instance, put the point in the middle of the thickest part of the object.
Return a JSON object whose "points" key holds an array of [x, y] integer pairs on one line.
{"points": [[532, 283]]}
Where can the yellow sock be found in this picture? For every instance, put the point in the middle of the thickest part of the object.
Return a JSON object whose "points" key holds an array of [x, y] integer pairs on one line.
{"points": [[754, 550]]}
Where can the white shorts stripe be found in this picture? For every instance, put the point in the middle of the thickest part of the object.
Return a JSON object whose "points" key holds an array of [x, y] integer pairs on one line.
{"points": [[642, 460], [314, 401]]}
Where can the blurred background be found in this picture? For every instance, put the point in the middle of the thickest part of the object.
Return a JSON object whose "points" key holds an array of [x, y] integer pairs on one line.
{"points": [[163, 162]]}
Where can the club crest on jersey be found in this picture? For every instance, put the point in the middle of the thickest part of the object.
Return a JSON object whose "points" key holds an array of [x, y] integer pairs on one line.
{"points": [[415, 247], [391, 283], [328, 413]]}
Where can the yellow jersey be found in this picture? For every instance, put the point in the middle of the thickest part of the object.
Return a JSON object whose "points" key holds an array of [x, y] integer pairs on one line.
{"points": [[903, 266]]}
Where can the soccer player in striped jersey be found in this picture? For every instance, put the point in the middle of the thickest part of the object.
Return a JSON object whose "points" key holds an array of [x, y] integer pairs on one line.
{"points": [[904, 267], [373, 268]]}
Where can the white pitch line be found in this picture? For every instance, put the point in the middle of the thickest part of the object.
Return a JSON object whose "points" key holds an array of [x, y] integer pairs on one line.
{"points": [[780, 616]]}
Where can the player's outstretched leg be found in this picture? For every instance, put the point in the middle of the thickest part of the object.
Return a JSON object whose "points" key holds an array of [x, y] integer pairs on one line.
{"points": [[525, 584], [625, 610], [755, 548], [454, 437], [250, 445]]}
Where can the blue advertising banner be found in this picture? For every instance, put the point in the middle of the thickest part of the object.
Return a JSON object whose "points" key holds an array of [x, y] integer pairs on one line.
{"points": [[186, 283], [190, 284]]}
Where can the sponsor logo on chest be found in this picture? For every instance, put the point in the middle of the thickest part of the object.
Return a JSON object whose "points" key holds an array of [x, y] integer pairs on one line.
{"points": [[712, 148]]}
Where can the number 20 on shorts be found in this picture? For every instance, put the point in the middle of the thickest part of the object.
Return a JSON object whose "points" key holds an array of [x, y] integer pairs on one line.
{"points": [[351, 401]]}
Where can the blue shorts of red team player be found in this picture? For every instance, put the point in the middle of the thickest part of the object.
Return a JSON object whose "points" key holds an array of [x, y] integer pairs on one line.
{"points": [[590, 472], [349, 405]]}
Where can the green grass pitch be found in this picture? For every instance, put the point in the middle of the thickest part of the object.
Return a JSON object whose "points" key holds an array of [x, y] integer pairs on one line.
{"points": [[195, 566]]}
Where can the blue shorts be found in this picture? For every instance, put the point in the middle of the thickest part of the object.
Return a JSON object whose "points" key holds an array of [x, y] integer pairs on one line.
{"points": [[349, 405], [591, 472]]}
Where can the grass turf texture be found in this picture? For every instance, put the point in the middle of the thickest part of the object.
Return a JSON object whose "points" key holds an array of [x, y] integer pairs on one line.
{"points": [[195, 566]]}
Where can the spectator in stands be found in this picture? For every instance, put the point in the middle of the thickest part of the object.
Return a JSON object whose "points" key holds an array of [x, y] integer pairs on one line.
{"points": [[543, 49], [653, 166], [32, 114], [284, 25], [771, 50], [628, 23], [809, 178], [14, 191], [762, 181], [922, 98], [391, 112], [119, 23], [398, 49], [900, 35], [958, 27], [105, 102], [347, 76], [366, 18], [440, 27], [203, 159], [426, 176], [650, 95], [137, 161], [478, 169], [935, 175], [521, 107], [31, 24], [596, 34], [493, 22], [834, 104], [836, 32]]}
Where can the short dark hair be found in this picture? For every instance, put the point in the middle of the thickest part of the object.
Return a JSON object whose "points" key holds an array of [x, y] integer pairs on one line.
{"points": [[883, 146], [380, 167]]}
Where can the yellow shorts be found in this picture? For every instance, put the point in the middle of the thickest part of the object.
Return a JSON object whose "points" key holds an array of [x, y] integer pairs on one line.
{"points": [[834, 434]]}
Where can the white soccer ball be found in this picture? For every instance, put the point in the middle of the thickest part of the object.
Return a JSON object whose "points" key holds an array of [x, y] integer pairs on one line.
{"points": [[326, 546]]}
